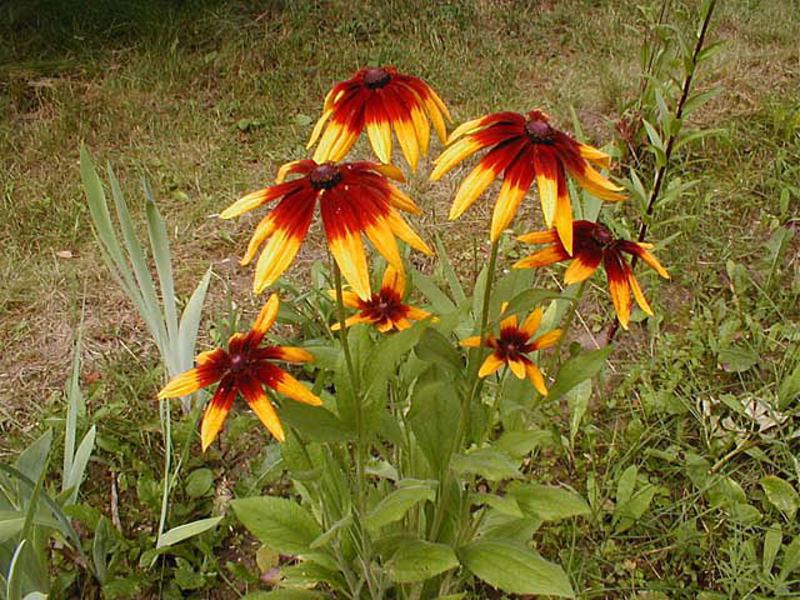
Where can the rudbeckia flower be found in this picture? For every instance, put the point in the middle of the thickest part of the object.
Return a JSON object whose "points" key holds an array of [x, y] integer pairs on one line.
{"points": [[354, 198], [378, 99], [385, 310], [244, 368], [594, 244], [512, 346], [524, 148]]}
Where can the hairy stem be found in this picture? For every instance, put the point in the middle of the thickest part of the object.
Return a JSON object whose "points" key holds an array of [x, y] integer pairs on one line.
{"points": [[658, 180]]}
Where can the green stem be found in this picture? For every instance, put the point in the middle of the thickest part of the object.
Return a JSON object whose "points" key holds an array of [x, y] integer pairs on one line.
{"points": [[568, 322], [361, 445], [474, 385]]}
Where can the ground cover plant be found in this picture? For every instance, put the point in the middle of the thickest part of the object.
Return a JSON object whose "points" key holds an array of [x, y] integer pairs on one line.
{"points": [[447, 425]]}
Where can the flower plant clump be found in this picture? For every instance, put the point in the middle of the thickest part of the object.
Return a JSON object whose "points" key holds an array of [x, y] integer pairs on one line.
{"points": [[408, 448]]}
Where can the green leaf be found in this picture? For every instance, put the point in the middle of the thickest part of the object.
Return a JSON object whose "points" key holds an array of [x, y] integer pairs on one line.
{"points": [[578, 403], [737, 360], [434, 409], [489, 463], [781, 495], [546, 502], [526, 300], [502, 504], [327, 536], [791, 559], [515, 569], [78, 466], [278, 523], [190, 323], [577, 369], [773, 540], [440, 302], [15, 573], [199, 483], [789, 388], [521, 443], [434, 347], [315, 423], [626, 514], [381, 365], [284, 594], [626, 484], [186, 531], [449, 272], [101, 546], [396, 504], [699, 99], [417, 560]]}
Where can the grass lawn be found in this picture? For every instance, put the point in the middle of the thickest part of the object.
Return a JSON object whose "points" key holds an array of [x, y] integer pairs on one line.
{"points": [[206, 98]]}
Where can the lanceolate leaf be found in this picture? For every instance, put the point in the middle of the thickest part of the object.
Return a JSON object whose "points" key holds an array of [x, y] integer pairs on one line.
{"points": [[577, 369], [417, 560], [278, 523], [396, 504], [515, 569], [184, 532], [548, 503]]}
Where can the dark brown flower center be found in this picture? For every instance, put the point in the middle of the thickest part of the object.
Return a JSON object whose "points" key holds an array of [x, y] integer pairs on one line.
{"points": [[602, 235], [376, 78], [325, 176], [512, 344], [385, 305], [238, 363], [539, 131]]}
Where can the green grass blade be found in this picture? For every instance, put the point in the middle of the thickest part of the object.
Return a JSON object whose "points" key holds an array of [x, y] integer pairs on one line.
{"points": [[78, 468], [159, 242], [190, 322], [14, 582], [104, 229], [74, 402], [138, 261]]}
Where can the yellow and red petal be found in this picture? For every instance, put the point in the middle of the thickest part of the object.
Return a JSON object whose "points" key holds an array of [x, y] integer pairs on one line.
{"points": [[593, 182], [290, 354], [640, 250], [267, 316], [301, 167], [404, 232], [544, 162], [407, 138], [516, 183], [546, 256], [548, 339], [532, 321], [454, 154], [192, 380], [563, 216], [216, 411], [348, 252], [583, 264], [417, 314], [490, 365], [260, 404], [389, 171], [400, 200], [421, 127], [471, 342], [501, 118], [318, 126], [379, 130], [354, 320], [539, 237], [593, 154], [637, 292], [618, 286], [210, 357], [517, 368], [510, 322], [536, 378], [258, 198], [394, 280]]}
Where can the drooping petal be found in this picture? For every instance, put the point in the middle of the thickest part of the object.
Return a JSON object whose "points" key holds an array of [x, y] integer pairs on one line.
{"points": [[548, 339], [418, 314], [401, 200], [260, 404], [516, 183], [286, 353], [547, 179], [640, 250], [563, 216], [291, 220], [592, 181], [536, 378], [343, 226], [382, 237], [584, 263], [546, 256], [404, 232], [379, 129], [593, 154], [348, 251], [216, 411], [463, 148], [303, 167], [326, 114], [637, 292], [490, 365], [618, 286]]}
